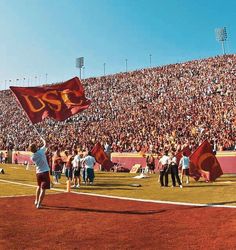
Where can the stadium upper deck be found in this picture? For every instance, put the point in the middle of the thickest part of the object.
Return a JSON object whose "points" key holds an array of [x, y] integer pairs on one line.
{"points": [[148, 109]]}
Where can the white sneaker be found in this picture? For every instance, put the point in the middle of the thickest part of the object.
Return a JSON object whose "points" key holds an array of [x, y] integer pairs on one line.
{"points": [[78, 186], [38, 206], [35, 203], [74, 186], [180, 186], [187, 182]]}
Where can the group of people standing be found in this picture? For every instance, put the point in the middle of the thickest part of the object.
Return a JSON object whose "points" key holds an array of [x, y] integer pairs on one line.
{"points": [[74, 165], [168, 163], [77, 165]]}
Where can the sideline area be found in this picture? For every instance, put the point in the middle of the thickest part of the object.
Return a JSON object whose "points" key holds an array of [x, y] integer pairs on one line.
{"points": [[117, 186], [113, 223]]}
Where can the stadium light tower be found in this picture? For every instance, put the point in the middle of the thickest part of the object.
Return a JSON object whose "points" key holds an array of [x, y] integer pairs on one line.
{"points": [[126, 65], [150, 60], [80, 64], [221, 36], [83, 72], [104, 69]]}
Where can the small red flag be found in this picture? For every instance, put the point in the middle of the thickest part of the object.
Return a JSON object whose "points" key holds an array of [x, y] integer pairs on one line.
{"points": [[59, 101], [101, 157], [203, 163]]}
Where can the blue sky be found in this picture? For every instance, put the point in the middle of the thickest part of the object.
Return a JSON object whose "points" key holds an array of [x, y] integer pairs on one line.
{"points": [[40, 39]]}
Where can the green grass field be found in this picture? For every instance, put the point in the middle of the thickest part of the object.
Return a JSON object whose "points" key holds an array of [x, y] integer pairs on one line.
{"points": [[16, 179]]}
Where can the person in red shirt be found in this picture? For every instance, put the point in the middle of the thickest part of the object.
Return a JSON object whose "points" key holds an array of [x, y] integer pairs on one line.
{"points": [[68, 165], [57, 166]]}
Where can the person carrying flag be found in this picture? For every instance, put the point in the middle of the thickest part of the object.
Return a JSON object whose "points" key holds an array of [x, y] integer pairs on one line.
{"points": [[42, 171]]}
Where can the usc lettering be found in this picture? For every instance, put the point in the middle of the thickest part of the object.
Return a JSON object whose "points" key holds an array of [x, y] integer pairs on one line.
{"points": [[53, 99]]}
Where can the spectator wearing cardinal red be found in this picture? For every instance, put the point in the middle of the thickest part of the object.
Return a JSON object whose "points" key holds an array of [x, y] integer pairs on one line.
{"points": [[68, 165], [150, 161], [57, 164]]}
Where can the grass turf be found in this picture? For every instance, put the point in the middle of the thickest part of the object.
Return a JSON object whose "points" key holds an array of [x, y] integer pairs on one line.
{"points": [[119, 184]]}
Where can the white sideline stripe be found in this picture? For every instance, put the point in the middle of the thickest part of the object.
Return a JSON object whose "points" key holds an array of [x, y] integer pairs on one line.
{"points": [[29, 185], [157, 201], [125, 198]]}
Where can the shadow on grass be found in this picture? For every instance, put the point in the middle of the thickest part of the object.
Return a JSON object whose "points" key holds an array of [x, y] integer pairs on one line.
{"points": [[102, 188], [114, 177], [206, 185], [222, 203], [90, 210], [227, 180], [108, 185], [228, 176]]}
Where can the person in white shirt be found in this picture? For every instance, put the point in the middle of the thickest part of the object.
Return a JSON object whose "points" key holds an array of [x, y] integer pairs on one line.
{"points": [[42, 172], [76, 168], [89, 162], [174, 170], [163, 167], [184, 163]]}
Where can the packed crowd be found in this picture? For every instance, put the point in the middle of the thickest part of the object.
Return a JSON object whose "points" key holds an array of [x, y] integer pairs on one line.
{"points": [[146, 110]]}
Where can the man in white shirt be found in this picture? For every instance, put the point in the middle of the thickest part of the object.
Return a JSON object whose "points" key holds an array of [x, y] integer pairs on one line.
{"points": [[174, 170], [163, 167], [76, 168], [89, 162], [42, 171]]}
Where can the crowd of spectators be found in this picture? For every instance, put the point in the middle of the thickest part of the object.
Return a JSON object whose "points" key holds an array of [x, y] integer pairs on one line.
{"points": [[145, 110]]}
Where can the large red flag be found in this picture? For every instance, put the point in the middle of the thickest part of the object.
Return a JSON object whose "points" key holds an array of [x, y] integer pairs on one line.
{"points": [[59, 101], [203, 163], [101, 156]]}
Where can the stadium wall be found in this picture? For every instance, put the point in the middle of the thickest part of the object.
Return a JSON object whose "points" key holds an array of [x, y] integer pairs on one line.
{"points": [[20, 157], [227, 159]]}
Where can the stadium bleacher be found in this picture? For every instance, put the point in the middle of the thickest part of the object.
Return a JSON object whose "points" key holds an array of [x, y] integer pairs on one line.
{"points": [[145, 110]]}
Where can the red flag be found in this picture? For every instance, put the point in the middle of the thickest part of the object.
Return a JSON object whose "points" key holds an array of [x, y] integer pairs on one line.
{"points": [[101, 156], [59, 101], [180, 153], [203, 163]]}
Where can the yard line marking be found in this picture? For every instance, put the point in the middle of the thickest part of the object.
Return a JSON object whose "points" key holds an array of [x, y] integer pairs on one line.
{"points": [[127, 198]]}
